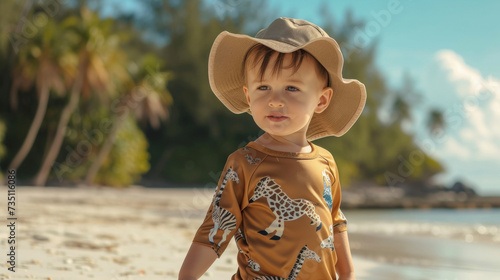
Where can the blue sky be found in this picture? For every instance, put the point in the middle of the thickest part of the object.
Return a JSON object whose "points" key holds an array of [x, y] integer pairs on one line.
{"points": [[451, 49]]}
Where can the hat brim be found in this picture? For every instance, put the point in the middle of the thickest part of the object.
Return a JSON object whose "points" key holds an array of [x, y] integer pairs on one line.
{"points": [[226, 80]]}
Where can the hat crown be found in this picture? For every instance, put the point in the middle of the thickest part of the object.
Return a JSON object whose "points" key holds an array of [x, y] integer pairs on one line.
{"points": [[295, 32]]}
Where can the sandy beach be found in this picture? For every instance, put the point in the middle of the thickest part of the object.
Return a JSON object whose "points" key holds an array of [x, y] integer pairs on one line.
{"points": [[143, 233]]}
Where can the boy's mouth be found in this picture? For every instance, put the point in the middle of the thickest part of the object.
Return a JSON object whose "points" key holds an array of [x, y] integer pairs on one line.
{"points": [[276, 117]]}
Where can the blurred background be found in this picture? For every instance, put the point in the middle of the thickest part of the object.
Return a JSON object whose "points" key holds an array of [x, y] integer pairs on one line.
{"points": [[115, 93]]}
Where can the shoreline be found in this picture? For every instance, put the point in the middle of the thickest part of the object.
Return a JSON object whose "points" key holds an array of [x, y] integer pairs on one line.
{"points": [[479, 202], [351, 198]]}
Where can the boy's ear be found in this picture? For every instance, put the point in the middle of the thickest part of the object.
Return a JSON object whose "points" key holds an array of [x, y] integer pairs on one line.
{"points": [[324, 100], [245, 90]]}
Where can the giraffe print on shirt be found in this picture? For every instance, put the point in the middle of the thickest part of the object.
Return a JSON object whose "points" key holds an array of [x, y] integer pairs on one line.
{"points": [[328, 243], [283, 207]]}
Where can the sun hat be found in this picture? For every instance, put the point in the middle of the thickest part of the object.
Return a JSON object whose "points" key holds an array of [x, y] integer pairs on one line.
{"points": [[287, 35]]}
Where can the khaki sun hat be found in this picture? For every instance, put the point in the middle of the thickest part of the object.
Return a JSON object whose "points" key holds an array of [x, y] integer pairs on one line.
{"points": [[287, 35]]}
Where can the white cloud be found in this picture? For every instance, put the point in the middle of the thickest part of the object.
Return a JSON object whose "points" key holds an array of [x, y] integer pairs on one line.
{"points": [[468, 80], [455, 149], [493, 86], [479, 133], [476, 118], [468, 134], [489, 148]]}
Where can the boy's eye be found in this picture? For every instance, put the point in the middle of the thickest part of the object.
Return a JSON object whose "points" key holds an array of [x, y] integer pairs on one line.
{"points": [[290, 88], [263, 88]]}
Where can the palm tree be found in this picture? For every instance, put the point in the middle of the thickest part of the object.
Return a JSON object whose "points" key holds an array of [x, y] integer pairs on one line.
{"points": [[405, 99], [10, 37], [38, 63], [3, 151], [148, 100], [97, 53], [401, 109], [435, 121]]}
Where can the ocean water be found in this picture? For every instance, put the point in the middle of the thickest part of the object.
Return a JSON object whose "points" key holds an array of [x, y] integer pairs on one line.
{"points": [[426, 244]]}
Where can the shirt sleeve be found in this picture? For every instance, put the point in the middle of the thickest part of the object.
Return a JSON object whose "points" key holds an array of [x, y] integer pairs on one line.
{"points": [[223, 217], [339, 220]]}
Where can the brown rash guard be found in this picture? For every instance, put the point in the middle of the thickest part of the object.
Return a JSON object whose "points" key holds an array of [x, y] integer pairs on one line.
{"points": [[282, 208]]}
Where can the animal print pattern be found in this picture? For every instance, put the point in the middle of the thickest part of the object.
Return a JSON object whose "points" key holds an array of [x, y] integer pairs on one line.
{"points": [[342, 217], [327, 189], [305, 253], [283, 207], [251, 263], [328, 243], [222, 218], [251, 160]]}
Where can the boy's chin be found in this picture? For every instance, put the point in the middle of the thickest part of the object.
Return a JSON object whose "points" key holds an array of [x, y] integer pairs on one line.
{"points": [[282, 132], [284, 135], [274, 133]]}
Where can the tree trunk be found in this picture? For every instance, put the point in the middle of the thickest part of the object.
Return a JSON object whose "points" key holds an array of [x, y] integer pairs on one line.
{"points": [[105, 149], [34, 128], [16, 83], [55, 147]]}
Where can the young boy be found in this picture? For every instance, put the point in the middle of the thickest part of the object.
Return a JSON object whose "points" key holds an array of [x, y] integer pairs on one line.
{"points": [[279, 196]]}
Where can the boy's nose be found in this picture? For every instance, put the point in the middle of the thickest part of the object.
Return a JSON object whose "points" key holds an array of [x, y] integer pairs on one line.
{"points": [[275, 100]]}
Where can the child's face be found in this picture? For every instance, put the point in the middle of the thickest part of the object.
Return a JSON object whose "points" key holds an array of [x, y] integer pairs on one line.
{"points": [[283, 104]]}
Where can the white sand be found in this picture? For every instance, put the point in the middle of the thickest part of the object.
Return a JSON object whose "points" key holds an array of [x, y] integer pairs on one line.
{"points": [[133, 233], [105, 233]]}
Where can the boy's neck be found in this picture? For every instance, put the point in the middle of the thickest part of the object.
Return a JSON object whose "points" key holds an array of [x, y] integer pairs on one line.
{"points": [[282, 144]]}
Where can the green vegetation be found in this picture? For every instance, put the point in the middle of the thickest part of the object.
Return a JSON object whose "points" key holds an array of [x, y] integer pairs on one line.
{"points": [[2, 147], [110, 101]]}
